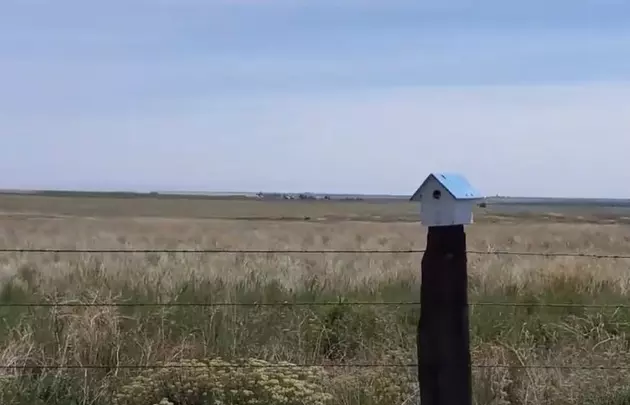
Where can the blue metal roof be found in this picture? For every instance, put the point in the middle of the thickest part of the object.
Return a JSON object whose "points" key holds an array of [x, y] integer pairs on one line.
{"points": [[455, 184]]}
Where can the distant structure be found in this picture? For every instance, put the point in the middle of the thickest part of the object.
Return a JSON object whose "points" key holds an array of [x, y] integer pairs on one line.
{"points": [[446, 199], [285, 196]]}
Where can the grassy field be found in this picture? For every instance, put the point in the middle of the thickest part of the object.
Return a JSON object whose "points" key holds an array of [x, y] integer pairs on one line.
{"points": [[552, 352], [203, 207]]}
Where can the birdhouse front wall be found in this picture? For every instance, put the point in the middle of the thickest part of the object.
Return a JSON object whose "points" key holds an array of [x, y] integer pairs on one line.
{"points": [[446, 212], [438, 207]]}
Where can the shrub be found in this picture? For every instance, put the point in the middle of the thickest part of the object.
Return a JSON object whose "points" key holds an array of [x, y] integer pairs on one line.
{"points": [[375, 386], [39, 390], [218, 382], [620, 397]]}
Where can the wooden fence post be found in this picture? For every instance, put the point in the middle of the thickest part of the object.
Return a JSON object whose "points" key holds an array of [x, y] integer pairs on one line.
{"points": [[443, 339], [444, 370]]}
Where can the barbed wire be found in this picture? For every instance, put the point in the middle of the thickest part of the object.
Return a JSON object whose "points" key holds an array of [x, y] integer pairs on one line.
{"points": [[305, 304], [306, 251], [550, 366], [296, 366], [288, 304]]}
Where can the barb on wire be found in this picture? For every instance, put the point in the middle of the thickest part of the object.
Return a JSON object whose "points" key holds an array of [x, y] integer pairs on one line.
{"points": [[293, 366], [304, 251], [304, 304]]}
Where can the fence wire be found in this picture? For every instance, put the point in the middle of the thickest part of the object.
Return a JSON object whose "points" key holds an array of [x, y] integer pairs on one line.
{"points": [[304, 304], [304, 251], [295, 366]]}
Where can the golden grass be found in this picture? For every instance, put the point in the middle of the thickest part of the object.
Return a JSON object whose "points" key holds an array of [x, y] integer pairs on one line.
{"points": [[114, 336]]}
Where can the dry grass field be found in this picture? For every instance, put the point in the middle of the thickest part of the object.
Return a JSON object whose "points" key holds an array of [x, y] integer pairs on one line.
{"points": [[552, 353]]}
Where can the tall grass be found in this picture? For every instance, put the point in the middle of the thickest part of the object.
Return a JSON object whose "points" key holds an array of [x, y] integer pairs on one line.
{"points": [[526, 341]]}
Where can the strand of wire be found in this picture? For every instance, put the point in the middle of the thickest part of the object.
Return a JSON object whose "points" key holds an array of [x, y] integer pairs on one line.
{"points": [[304, 304], [297, 366], [303, 251]]}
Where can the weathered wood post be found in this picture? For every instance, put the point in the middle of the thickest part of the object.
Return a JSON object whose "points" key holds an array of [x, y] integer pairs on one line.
{"points": [[444, 370]]}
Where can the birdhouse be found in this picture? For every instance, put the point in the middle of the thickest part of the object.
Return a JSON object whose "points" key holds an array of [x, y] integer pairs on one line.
{"points": [[446, 199]]}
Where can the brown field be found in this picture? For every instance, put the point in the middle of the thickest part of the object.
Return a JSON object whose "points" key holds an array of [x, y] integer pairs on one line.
{"points": [[549, 355]]}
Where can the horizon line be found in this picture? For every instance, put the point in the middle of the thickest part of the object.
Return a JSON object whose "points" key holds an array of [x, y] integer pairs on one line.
{"points": [[254, 193]]}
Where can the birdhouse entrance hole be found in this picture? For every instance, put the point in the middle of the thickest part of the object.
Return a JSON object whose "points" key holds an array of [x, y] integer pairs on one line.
{"points": [[437, 194]]}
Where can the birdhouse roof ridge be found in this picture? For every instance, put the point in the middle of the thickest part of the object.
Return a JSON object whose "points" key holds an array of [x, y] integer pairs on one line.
{"points": [[456, 184]]}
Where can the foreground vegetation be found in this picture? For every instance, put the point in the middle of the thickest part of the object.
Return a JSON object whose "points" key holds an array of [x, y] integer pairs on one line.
{"points": [[258, 353]]}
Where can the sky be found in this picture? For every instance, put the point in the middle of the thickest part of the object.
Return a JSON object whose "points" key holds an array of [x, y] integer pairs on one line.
{"points": [[525, 98]]}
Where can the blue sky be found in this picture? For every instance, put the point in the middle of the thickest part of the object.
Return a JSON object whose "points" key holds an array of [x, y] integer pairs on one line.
{"points": [[525, 98]]}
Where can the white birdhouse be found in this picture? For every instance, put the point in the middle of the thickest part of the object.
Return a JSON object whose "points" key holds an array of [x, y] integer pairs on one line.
{"points": [[446, 199]]}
